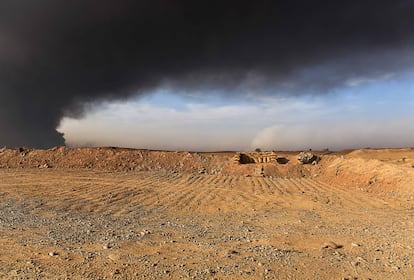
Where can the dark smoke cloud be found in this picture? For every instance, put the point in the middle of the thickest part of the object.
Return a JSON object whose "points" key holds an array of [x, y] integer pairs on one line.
{"points": [[56, 54]]}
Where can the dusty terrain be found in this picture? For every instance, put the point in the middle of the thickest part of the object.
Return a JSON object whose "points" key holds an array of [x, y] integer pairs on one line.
{"points": [[108, 213]]}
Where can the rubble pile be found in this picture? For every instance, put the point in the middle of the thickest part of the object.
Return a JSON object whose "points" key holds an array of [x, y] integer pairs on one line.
{"points": [[308, 157]]}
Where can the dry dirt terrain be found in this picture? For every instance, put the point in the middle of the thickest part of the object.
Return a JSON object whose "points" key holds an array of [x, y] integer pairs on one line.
{"points": [[109, 213]]}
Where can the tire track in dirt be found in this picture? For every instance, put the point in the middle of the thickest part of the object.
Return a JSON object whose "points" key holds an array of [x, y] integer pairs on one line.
{"points": [[278, 189], [120, 193]]}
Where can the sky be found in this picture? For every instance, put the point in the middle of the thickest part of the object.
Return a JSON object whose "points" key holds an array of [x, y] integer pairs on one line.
{"points": [[360, 114], [207, 75]]}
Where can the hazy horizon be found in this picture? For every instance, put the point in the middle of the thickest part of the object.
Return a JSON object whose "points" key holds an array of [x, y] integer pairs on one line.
{"points": [[338, 121]]}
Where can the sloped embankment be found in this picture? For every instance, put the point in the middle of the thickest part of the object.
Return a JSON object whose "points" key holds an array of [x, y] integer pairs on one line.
{"points": [[370, 175]]}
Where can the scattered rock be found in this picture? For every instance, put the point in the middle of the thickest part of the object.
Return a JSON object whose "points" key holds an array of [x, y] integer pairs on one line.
{"points": [[144, 232], [44, 166], [202, 170], [230, 253], [404, 159], [331, 245], [113, 257], [356, 263]]}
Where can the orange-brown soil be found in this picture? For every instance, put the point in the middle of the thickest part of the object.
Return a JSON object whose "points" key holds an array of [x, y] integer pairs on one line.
{"points": [[109, 213]]}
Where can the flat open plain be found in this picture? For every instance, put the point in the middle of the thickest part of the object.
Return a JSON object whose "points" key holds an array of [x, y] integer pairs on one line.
{"points": [[109, 213]]}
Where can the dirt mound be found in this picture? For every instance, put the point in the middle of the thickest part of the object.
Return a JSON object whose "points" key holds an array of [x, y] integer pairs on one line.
{"points": [[370, 175], [119, 159], [383, 170], [108, 158]]}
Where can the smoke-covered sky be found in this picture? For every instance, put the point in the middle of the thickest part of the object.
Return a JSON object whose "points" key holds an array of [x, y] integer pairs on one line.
{"points": [[206, 75]]}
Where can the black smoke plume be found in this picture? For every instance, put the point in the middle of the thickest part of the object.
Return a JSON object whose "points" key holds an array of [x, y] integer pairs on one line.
{"points": [[57, 54]]}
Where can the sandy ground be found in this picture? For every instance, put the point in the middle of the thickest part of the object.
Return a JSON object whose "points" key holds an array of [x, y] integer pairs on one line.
{"points": [[127, 214]]}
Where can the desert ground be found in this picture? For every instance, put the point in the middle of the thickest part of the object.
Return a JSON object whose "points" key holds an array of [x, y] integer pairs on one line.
{"points": [[111, 213]]}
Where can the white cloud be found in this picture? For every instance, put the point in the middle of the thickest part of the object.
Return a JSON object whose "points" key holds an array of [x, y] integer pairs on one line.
{"points": [[356, 81]]}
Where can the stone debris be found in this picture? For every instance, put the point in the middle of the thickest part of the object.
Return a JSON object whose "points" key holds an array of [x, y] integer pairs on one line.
{"points": [[308, 157], [202, 170], [44, 166], [144, 232], [331, 245]]}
